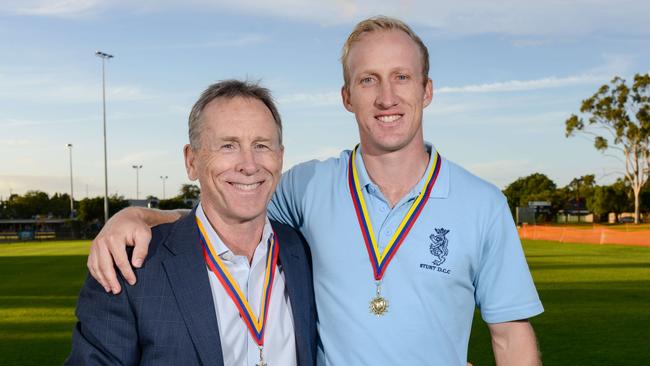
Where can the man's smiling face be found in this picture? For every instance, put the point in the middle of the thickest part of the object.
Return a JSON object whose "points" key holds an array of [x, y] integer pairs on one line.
{"points": [[387, 91], [239, 159]]}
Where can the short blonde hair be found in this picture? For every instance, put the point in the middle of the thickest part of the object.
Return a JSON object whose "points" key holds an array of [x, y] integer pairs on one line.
{"points": [[382, 23]]}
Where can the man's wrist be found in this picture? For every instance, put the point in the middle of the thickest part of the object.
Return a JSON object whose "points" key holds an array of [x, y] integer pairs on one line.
{"points": [[145, 215], [153, 217]]}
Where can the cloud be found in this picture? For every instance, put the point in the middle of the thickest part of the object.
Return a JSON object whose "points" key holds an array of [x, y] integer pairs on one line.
{"points": [[501, 172], [15, 142], [140, 157], [312, 99], [222, 41], [58, 8], [512, 17], [529, 42], [59, 88], [15, 122], [524, 85], [613, 65]]}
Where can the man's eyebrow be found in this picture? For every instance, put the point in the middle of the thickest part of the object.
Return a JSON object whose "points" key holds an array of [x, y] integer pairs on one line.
{"points": [[364, 73], [228, 138], [237, 139]]}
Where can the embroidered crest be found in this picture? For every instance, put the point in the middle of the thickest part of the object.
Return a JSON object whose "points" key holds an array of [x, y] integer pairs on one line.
{"points": [[438, 246]]}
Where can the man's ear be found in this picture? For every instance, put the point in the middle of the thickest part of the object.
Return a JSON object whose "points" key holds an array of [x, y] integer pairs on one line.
{"points": [[190, 162], [428, 92], [345, 96]]}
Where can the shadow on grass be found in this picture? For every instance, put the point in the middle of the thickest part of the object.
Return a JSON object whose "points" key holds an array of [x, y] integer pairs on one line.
{"points": [[558, 255], [44, 302], [617, 266], [39, 294], [584, 323]]}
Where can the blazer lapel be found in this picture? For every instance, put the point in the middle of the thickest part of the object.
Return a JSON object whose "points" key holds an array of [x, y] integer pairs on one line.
{"points": [[295, 276], [189, 281]]}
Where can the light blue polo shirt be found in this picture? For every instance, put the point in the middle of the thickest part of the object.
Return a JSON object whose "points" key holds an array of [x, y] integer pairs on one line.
{"points": [[462, 252]]}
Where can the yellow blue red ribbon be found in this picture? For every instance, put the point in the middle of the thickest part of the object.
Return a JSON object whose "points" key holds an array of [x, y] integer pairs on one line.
{"points": [[381, 260], [255, 325]]}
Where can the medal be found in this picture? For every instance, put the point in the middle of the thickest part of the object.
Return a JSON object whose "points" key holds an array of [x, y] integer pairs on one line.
{"points": [[380, 260], [255, 325], [378, 304]]}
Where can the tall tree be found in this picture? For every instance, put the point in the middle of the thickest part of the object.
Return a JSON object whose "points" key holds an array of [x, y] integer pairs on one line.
{"points": [[613, 198], [619, 119], [92, 209], [534, 187], [29, 205], [644, 198], [190, 191]]}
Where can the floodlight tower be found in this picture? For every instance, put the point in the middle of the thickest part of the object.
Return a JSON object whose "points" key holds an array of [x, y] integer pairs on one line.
{"points": [[137, 180], [71, 185], [104, 57], [163, 178]]}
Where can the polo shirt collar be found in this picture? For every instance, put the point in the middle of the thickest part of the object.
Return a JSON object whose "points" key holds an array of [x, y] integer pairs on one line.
{"points": [[440, 188]]}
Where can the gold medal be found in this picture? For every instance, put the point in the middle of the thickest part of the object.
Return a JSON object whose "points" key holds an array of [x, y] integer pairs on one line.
{"points": [[380, 259], [378, 304]]}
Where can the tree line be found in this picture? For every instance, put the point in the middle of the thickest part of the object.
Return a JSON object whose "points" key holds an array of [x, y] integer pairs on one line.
{"points": [[88, 211], [580, 193]]}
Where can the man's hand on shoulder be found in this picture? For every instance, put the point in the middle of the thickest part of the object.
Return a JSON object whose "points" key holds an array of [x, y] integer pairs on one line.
{"points": [[129, 227]]}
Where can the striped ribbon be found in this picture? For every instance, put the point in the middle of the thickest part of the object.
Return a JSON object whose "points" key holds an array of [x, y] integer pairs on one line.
{"points": [[256, 325], [379, 260]]}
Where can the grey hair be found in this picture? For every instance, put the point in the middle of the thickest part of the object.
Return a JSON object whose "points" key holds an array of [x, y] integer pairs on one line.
{"points": [[230, 89]]}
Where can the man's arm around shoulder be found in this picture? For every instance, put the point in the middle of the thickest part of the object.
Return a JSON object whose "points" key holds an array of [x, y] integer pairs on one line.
{"points": [[129, 227]]}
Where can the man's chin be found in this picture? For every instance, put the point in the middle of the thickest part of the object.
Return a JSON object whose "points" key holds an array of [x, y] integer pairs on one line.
{"points": [[248, 215]]}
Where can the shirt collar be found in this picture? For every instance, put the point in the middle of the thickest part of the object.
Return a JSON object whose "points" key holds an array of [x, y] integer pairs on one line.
{"points": [[220, 247], [440, 188]]}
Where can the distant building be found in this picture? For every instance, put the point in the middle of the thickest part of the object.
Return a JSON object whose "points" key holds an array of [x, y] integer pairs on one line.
{"points": [[34, 229]]}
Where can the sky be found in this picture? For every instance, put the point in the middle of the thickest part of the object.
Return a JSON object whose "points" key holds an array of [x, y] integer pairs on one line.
{"points": [[507, 74]]}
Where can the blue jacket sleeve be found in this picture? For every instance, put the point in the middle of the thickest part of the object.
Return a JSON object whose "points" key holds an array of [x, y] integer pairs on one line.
{"points": [[106, 331]]}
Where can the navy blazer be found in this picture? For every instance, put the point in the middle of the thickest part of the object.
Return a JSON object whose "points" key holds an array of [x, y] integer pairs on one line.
{"points": [[168, 317]]}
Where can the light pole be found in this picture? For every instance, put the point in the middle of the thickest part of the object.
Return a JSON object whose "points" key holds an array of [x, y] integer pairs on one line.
{"points": [[71, 185], [104, 57], [163, 178], [137, 180]]}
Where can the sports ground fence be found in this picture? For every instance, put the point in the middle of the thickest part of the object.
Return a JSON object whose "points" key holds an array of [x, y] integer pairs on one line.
{"points": [[593, 235], [590, 235]]}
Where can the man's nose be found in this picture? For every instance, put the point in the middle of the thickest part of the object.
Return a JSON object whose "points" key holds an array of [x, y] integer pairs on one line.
{"points": [[247, 163], [386, 97]]}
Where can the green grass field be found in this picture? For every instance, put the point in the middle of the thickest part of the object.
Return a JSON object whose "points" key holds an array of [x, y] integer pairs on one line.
{"points": [[597, 301]]}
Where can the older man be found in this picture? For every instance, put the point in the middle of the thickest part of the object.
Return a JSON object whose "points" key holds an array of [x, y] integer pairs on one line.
{"points": [[223, 286], [405, 243]]}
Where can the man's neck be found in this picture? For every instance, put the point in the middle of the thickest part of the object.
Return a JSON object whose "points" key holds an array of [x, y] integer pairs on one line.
{"points": [[242, 238], [396, 172]]}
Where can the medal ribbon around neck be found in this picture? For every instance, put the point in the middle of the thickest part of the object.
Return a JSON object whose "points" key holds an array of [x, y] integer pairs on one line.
{"points": [[255, 325], [379, 260]]}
